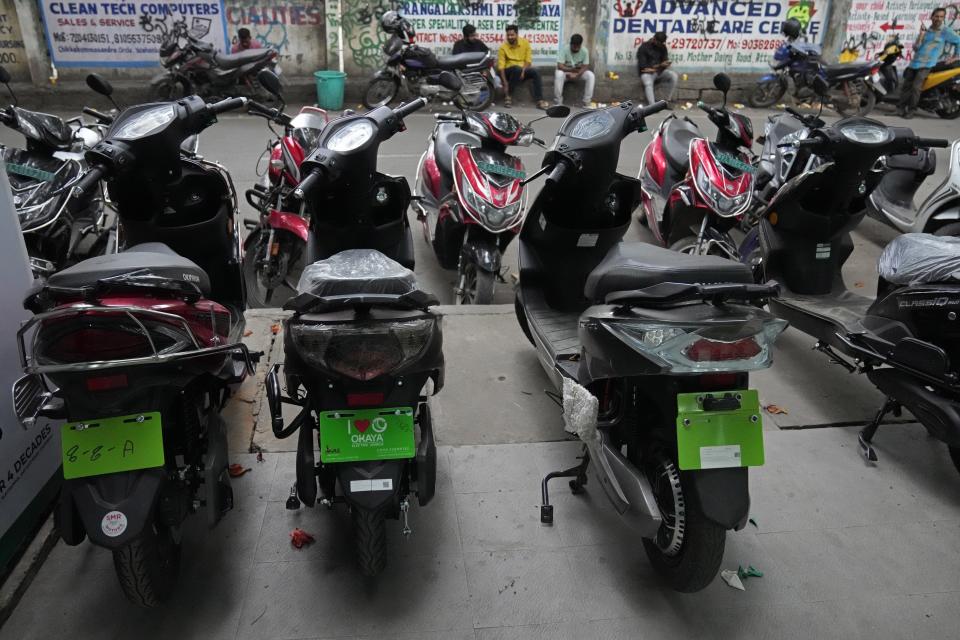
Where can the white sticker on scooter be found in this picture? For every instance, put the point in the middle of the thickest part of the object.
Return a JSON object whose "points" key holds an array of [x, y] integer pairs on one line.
{"points": [[377, 484], [113, 524], [823, 251], [720, 457], [588, 239]]}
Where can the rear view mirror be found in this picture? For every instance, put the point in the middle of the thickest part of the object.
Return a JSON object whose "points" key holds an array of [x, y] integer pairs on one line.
{"points": [[820, 86], [558, 111], [100, 84], [722, 82], [450, 81], [4, 76], [271, 82]]}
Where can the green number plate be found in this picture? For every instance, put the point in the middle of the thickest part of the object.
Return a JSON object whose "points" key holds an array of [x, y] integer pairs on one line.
{"points": [[30, 172], [721, 437], [367, 434], [510, 172], [736, 163], [112, 445]]}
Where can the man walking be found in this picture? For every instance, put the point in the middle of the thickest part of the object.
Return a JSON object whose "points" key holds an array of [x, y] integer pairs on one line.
{"points": [[927, 50], [515, 62], [573, 64], [653, 59], [245, 41]]}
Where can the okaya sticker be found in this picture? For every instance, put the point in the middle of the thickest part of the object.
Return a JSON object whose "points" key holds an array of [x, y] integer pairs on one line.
{"points": [[370, 434]]}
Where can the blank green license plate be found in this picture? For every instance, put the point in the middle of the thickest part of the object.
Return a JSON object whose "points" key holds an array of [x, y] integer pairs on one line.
{"points": [[719, 429], [112, 445], [367, 434], [499, 169]]}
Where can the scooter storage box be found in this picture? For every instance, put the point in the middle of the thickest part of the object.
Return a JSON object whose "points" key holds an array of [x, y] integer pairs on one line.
{"points": [[809, 266]]}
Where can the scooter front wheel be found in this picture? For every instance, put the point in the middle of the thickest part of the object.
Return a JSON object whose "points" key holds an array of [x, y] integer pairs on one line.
{"points": [[148, 566], [475, 285], [688, 548], [370, 538], [270, 285]]}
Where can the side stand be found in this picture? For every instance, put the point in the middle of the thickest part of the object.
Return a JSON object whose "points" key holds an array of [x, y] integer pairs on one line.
{"points": [[579, 475], [865, 436]]}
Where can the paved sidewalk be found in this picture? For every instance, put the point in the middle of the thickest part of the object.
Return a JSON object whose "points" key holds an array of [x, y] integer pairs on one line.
{"points": [[848, 550]]}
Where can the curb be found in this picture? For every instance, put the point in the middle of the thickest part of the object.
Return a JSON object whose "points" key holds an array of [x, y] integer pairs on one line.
{"points": [[26, 569]]}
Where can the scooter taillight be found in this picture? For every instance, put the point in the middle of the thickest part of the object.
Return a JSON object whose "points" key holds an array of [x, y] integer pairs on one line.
{"points": [[105, 337], [706, 350]]}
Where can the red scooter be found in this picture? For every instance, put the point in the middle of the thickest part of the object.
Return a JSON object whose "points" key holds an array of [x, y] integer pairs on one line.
{"points": [[471, 197], [693, 190], [274, 250]]}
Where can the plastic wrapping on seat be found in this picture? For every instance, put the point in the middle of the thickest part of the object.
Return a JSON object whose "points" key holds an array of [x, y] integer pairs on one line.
{"points": [[354, 272], [918, 258]]}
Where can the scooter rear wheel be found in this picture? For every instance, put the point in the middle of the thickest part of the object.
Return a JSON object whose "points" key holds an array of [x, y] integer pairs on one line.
{"points": [[148, 566], [370, 537]]}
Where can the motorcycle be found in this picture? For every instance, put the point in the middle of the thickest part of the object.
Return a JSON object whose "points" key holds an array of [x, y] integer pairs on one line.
{"points": [[898, 178], [651, 350], [41, 178], [905, 340], [362, 350], [940, 93], [192, 66], [801, 63], [275, 248], [138, 351], [418, 68], [694, 191], [471, 198]]}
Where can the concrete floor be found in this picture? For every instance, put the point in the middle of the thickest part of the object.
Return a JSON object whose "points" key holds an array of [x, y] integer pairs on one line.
{"points": [[849, 550]]}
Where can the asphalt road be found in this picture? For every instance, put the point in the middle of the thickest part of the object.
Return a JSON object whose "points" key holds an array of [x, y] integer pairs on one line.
{"points": [[238, 141]]}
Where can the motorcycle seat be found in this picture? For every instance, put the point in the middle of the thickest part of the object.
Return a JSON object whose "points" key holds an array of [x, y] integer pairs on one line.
{"points": [[637, 265], [357, 272], [921, 258], [676, 142], [848, 69], [449, 134], [233, 60], [461, 60], [149, 258]]}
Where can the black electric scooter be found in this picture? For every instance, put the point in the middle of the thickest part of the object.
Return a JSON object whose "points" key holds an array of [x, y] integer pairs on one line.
{"points": [[907, 339], [656, 341], [362, 349]]}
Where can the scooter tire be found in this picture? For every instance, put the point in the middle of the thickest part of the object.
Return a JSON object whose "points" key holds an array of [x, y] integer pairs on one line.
{"points": [[522, 319], [370, 538], [147, 567], [761, 98], [952, 229], [686, 244], [483, 282], [698, 561], [371, 102]]}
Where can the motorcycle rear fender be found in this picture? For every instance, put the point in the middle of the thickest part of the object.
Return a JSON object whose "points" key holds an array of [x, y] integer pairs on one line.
{"points": [[85, 501], [723, 495], [289, 222], [357, 478], [483, 252]]}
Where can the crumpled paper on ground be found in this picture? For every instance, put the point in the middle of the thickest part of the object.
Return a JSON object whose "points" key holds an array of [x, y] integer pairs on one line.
{"points": [[732, 579]]}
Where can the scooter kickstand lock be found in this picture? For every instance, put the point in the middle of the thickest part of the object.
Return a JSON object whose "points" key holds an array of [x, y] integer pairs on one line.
{"points": [[293, 501], [579, 475]]}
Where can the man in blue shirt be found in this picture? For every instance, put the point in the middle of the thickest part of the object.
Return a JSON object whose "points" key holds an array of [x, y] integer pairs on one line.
{"points": [[926, 53]]}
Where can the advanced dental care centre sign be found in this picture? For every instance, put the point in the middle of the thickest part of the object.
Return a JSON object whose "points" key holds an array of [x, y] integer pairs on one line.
{"points": [[126, 34], [710, 35]]}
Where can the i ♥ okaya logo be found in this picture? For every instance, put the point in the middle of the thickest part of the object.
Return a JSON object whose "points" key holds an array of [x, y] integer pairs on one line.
{"points": [[367, 432]]}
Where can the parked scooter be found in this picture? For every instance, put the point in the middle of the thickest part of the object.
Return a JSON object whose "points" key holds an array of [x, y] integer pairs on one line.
{"points": [[193, 66], [800, 62], [906, 339], [420, 69], [695, 191], [275, 248], [41, 178], [362, 349], [940, 93], [137, 350], [900, 176], [651, 350], [471, 197]]}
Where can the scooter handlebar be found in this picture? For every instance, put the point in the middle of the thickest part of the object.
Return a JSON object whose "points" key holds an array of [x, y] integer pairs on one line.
{"points": [[98, 115], [226, 105], [656, 107], [406, 109], [557, 173], [927, 143], [308, 184], [89, 181]]}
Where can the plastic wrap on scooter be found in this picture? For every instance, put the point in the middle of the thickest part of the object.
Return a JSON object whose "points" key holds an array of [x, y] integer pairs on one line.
{"points": [[918, 258], [356, 271]]}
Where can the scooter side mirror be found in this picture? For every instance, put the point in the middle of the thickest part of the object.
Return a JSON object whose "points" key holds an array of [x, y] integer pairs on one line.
{"points": [[100, 84], [558, 111], [450, 81], [271, 82], [722, 83], [4, 75]]}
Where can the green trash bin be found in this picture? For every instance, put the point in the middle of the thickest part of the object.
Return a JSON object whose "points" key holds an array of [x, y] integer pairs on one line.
{"points": [[330, 89]]}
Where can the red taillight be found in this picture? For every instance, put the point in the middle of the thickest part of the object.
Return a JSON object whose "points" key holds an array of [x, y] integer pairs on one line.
{"points": [[705, 350], [364, 357], [718, 381], [105, 336], [90, 343], [364, 399], [106, 383]]}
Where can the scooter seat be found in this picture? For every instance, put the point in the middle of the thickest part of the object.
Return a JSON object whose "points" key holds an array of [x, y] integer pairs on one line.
{"points": [[676, 142], [149, 258], [357, 272], [449, 134], [834, 71], [461, 60], [921, 258], [637, 265], [241, 58]]}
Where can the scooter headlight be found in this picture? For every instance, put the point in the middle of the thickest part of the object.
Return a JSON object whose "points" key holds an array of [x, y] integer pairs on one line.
{"points": [[362, 350], [725, 206], [495, 219]]}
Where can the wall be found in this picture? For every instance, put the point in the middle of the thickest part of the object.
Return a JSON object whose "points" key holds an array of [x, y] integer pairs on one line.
{"points": [[296, 29], [13, 56], [872, 23]]}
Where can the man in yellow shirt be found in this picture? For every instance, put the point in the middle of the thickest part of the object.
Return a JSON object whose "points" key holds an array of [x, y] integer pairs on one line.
{"points": [[515, 62]]}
